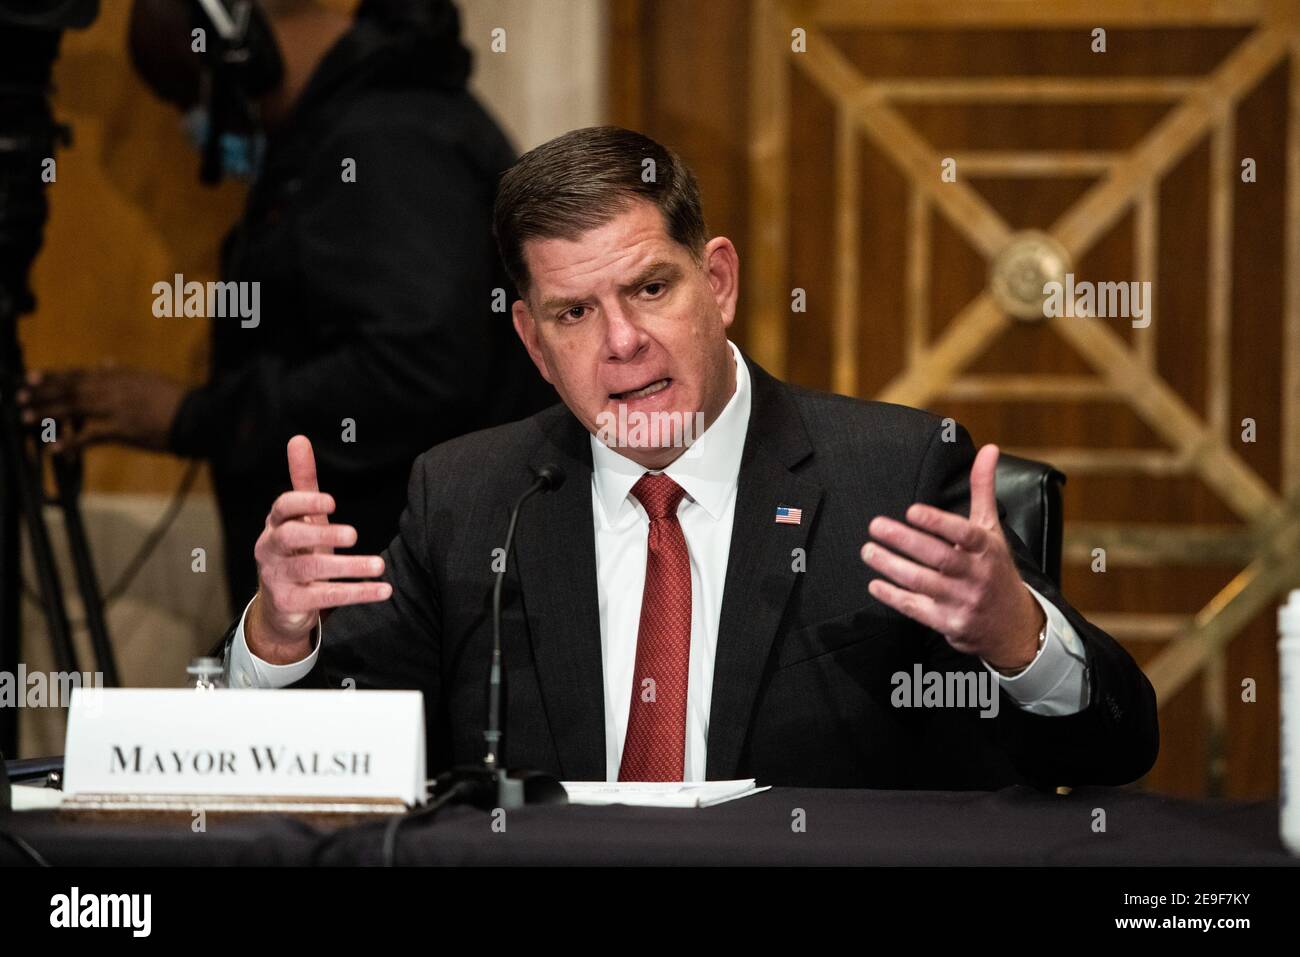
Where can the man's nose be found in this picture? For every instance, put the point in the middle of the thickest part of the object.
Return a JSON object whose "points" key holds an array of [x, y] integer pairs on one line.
{"points": [[623, 335]]}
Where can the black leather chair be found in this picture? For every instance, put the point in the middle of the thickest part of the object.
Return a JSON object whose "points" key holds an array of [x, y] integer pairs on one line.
{"points": [[1030, 492]]}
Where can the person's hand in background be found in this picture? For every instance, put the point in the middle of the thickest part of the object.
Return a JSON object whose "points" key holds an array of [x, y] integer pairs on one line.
{"points": [[107, 404]]}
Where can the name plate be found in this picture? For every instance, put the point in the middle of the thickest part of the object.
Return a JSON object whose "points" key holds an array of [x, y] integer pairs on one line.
{"points": [[286, 744]]}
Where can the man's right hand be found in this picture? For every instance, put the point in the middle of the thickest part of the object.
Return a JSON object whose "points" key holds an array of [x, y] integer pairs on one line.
{"points": [[296, 566]]}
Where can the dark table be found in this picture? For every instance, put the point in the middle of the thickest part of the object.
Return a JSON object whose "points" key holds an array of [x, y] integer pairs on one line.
{"points": [[1016, 826]]}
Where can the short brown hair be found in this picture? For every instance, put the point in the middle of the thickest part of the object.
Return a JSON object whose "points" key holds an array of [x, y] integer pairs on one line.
{"points": [[582, 180]]}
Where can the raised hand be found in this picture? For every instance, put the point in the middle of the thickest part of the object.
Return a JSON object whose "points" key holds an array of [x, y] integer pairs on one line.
{"points": [[957, 575], [296, 566]]}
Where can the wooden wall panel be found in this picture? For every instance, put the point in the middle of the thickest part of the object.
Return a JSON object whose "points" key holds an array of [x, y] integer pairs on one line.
{"points": [[1150, 434], [126, 211]]}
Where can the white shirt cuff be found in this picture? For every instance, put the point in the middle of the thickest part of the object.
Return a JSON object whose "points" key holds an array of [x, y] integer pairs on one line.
{"points": [[1056, 681], [245, 670]]}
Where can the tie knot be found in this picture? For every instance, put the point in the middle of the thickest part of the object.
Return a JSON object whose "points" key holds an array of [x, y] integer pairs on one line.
{"points": [[659, 494]]}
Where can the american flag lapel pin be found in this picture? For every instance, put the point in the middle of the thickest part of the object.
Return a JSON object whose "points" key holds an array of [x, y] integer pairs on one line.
{"points": [[785, 515]]}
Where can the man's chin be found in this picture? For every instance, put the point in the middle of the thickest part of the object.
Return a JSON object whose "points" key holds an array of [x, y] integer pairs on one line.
{"points": [[648, 428]]}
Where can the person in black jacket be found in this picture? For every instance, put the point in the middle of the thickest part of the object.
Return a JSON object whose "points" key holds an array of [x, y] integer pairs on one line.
{"points": [[380, 326]]}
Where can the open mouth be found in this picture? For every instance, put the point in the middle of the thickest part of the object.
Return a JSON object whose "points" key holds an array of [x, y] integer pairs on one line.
{"points": [[646, 390]]}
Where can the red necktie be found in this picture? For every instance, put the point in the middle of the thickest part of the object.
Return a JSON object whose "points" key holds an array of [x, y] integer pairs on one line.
{"points": [[655, 746]]}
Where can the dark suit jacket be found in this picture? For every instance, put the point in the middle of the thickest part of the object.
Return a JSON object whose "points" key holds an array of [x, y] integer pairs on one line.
{"points": [[801, 692]]}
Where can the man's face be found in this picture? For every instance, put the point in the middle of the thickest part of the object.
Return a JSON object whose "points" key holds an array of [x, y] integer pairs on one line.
{"points": [[625, 316]]}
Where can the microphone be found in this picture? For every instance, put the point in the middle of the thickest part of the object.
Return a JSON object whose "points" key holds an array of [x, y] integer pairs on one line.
{"points": [[551, 476], [488, 785]]}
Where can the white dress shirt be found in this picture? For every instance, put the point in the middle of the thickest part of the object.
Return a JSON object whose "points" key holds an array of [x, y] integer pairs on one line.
{"points": [[1055, 683]]}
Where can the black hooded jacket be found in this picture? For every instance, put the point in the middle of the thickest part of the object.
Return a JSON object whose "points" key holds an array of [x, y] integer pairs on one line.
{"points": [[379, 332]]}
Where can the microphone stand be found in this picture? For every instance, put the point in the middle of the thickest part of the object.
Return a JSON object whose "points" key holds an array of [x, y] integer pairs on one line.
{"points": [[488, 785]]}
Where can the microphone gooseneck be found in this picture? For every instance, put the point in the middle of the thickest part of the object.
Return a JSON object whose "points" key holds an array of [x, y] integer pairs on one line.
{"points": [[549, 478], [488, 785]]}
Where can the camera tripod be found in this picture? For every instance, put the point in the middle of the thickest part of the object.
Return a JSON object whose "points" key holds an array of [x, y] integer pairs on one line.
{"points": [[28, 138]]}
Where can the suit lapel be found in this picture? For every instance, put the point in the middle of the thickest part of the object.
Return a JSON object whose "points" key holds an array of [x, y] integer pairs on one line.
{"points": [[556, 553], [760, 573]]}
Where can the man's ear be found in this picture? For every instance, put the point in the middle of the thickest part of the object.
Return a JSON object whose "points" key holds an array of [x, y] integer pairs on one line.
{"points": [[722, 265], [526, 327]]}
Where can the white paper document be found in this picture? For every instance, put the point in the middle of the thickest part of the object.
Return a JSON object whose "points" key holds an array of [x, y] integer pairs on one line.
{"points": [[656, 794], [27, 797]]}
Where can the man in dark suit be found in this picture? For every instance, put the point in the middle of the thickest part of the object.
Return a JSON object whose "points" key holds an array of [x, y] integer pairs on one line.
{"points": [[696, 599]]}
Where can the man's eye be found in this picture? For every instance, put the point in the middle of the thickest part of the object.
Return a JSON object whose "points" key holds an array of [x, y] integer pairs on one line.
{"points": [[573, 313], [653, 289]]}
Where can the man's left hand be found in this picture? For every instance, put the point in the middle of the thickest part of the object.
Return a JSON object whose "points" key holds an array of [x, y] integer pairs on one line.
{"points": [[103, 405], [957, 575]]}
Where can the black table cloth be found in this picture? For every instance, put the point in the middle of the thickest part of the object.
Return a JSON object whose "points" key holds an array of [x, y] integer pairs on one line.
{"points": [[782, 826]]}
